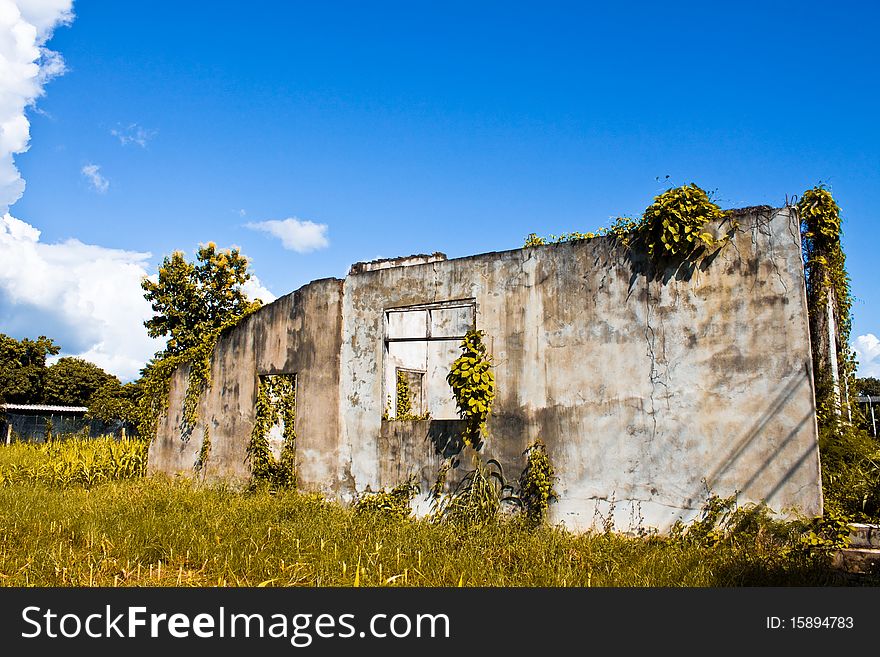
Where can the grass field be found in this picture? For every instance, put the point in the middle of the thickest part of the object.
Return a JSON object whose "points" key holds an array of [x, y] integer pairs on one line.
{"points": [[83, 515]]}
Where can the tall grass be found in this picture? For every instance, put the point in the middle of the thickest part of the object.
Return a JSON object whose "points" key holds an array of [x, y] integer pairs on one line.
{"points": [[73, 461], [120, 529]]}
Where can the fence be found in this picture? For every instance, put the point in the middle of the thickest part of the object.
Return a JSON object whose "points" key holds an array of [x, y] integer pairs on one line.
{"points": [[37, 423], [871, 406]]}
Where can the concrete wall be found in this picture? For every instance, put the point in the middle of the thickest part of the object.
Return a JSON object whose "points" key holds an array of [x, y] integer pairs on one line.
{"points": [[296, 334], [649, 389]]}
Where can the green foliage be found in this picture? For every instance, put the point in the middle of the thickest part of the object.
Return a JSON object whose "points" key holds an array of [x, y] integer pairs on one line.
{"points": [[73, 382], [394, 503], [825, 270], [850, 471], [723, 525], [404, 401], [23, 368], [403, 406], [194, 304], [156, 531], [672, 227], [193, 300], [204, 450], [477, 498], [622, 229], [276, 405], [827, 534], [850, 458], [536, 483], [674, 224], [115, 401], [473, 386], [868, 386]]}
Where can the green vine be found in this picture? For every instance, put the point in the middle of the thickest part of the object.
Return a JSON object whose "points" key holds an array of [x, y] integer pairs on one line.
{"points": [[536, 483], [674, 223], [276, 404], [825, 270], [622, 228], [204, 451], [673, 226], [404, 401], [155, 382], [473, 386], [403, 407], [198, 381]]}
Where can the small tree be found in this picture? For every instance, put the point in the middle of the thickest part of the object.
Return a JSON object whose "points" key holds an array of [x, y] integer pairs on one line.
{"points": [[192, 300]]}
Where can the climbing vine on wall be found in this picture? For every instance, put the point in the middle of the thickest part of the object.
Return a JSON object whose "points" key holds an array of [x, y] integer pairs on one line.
{"points": [[827, 286], [473, 386], [395, 503], [404, 397], [155, 381], [204, 451], [622, 228], [276, 405]]}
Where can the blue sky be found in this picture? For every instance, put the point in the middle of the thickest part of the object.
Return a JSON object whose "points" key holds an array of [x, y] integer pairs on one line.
{"points": [[384, 129]]}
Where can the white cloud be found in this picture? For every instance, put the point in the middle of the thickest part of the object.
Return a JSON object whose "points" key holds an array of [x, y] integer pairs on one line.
{"points": [[25, 66], [46, 15], [133, 134], [99, 183], [295, 234], [867, 348], [255, 289], [86, 297]]}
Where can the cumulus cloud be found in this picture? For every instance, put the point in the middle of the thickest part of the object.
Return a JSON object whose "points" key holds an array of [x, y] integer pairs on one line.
{"points": [[133, 134], [254, 288], [99, 183], [867, 348], [295, 234], [25, 67], [87, 297]]}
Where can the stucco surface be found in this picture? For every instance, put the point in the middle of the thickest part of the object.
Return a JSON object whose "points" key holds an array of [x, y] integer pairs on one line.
{"points": [[650, 389]]}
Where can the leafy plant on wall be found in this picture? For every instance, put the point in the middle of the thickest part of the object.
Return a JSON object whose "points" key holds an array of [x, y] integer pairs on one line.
{"points": [[673, 227], [473, 386], [276, 405]]}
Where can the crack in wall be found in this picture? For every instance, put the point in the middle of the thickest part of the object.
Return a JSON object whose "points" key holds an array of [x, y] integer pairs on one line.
{"points": [[769, 235], [655, 376]]}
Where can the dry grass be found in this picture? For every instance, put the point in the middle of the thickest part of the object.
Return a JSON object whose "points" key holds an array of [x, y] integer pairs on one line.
{"points": [[95, 521]]}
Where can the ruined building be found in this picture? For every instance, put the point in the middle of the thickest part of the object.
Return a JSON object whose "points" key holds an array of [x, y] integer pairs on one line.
{"points": [[650, 389]]}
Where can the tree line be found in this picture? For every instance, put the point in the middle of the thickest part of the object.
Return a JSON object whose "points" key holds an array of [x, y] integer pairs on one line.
{"points": [[189, 301]]}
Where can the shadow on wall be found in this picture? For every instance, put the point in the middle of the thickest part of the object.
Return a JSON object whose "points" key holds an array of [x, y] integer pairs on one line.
{"points": [[747, 444]]}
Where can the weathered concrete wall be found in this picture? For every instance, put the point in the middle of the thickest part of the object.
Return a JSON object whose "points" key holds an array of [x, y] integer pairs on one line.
{"points": [[648, 390], [296, 334]]}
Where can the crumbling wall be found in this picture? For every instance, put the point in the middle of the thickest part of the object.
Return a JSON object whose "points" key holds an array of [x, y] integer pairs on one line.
{"points": [[650, 389], [297, 334]]}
